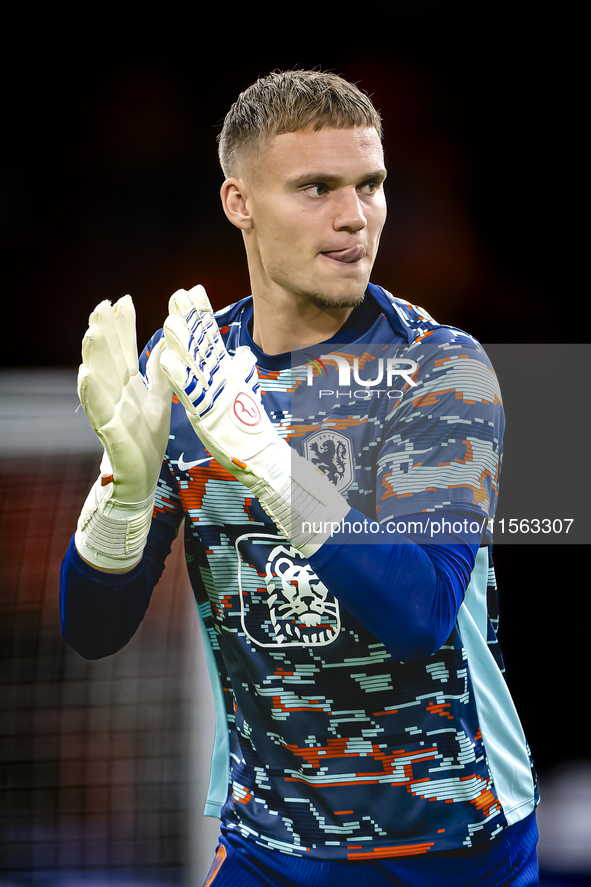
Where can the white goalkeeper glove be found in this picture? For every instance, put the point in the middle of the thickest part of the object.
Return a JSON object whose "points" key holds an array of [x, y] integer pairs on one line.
{"points": [[132, 421], [220, 398]]}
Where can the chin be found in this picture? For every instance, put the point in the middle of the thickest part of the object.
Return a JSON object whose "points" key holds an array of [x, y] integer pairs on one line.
{"points": [[341, 300]]}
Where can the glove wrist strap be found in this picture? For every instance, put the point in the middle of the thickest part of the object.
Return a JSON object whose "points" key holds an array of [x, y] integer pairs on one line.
{"points": [[303, 503], [112, 535]]}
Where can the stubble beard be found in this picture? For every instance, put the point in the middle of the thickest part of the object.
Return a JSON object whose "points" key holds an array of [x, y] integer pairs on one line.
{"points": [[321, 301]]}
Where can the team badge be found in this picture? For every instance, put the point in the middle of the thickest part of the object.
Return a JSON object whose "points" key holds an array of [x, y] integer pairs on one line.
{"points": [[330, 452], [291, 606]]}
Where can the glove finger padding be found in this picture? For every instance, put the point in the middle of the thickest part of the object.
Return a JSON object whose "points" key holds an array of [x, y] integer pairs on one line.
{"points": [[206, 362], [109, 347], [155, 380], [125, 326], [175, 370], [183, 302], [195, 309], [198, 336], [96, 402], [99, 362]]}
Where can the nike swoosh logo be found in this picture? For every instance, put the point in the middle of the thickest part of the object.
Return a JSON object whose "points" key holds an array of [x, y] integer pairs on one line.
{"points": [[184, 466]]}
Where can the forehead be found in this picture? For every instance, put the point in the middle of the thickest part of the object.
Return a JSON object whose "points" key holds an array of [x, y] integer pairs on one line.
{"points": [[340, 152]]}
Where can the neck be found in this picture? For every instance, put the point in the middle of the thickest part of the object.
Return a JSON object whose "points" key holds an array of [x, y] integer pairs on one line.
{"points": [[279, 326]]}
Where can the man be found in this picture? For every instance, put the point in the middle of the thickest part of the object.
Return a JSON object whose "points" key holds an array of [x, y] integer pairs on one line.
{"points": [[336, 529]]}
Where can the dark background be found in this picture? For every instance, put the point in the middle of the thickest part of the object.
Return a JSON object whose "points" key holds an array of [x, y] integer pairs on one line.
{"points": [[110, 183]]}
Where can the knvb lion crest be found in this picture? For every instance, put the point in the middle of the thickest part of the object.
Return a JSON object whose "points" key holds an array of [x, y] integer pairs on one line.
{"points": [[330, 452], [302, 609], [294, 608]]}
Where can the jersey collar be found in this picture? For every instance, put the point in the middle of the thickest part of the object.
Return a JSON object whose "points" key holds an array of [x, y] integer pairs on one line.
{"points": [[359, 322]]}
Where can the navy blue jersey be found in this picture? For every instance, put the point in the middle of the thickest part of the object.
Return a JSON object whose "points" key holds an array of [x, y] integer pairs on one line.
{"points": [[330, 744]]}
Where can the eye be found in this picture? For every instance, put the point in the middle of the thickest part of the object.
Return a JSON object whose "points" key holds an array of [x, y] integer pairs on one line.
{"points": [[316, 189], [370, 186]]}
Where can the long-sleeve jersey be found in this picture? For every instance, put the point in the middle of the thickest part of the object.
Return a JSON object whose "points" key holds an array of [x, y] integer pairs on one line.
{"points": [[361, 708]]}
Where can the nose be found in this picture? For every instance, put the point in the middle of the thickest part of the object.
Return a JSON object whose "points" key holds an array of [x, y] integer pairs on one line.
{"points": [[350, 215]]}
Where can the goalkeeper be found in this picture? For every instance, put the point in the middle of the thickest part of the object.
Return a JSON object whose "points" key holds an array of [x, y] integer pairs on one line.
{"points": [[367, 727]]}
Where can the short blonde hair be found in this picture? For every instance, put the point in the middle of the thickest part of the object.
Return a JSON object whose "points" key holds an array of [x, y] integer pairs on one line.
{"points": [[289, 101]]}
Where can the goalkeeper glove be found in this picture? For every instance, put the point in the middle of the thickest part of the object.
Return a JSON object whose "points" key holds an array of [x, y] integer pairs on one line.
{"points": [[132, 420], [220, 399]]}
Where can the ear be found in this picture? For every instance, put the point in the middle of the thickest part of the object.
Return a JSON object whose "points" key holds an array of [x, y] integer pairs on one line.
{"points": [[235, 203]]}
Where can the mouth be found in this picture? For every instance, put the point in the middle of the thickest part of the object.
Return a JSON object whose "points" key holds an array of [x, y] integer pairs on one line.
{"points": [[349, 256]]}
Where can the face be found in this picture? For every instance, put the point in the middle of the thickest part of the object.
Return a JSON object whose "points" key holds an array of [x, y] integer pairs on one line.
{"points": [[316, 209]]}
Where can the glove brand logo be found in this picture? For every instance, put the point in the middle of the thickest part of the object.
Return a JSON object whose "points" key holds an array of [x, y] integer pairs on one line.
{"points": [[294, 608], [246, 409], [330, 452]]}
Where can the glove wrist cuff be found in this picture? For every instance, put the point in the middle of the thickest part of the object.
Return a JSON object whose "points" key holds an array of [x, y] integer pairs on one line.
{"points": [[112, 535], [303, 503]]}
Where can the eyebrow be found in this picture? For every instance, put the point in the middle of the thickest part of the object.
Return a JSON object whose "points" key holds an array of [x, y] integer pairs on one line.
{"points": [[330, 178]]}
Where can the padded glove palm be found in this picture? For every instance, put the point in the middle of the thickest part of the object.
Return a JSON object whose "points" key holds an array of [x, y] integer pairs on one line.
{"points": [[130, 417]]}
